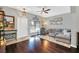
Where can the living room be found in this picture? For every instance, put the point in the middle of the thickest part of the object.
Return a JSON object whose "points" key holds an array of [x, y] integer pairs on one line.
{"points": [[56, 24]]}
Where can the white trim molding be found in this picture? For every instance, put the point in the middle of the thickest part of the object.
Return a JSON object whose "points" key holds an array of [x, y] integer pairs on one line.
{"points": [[74, 46]]}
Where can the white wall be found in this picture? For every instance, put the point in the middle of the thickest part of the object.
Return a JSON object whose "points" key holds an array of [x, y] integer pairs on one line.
{"points": [[66, 23], [70, 21], [22, 27]]}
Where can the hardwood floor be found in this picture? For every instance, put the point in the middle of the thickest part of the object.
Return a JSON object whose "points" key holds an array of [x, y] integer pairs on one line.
{"points": [[38, 46]]}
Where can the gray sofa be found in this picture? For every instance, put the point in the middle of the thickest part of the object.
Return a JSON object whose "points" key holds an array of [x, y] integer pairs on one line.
{"points": [[60, 33]]}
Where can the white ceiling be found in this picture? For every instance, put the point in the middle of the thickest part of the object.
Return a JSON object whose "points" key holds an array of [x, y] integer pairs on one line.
{"points": [[55, 10]]}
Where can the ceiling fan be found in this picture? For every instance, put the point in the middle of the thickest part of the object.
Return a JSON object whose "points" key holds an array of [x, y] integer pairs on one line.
{"points": [[44, 10]]}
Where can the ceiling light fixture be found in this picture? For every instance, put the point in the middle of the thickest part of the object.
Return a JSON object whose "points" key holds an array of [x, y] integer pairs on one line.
{"points": [[24, 12]]}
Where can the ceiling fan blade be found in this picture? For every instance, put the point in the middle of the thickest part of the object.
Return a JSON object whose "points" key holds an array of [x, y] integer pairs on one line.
{"points": [[48, 10]]}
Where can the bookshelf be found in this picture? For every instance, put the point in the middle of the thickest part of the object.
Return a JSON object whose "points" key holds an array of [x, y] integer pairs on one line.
{"points": [[1, 26], [7, 27]]}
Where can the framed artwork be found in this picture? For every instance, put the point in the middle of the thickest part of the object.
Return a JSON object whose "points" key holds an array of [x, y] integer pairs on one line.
{"points": [[56, 21], [9, 22]]}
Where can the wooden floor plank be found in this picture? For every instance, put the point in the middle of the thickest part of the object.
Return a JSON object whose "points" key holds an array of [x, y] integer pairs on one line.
{"points": [[38, 46]]}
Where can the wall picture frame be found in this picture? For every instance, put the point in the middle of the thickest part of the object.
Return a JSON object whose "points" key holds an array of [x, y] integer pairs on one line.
{"points": [[9, 22], [56, 21]]}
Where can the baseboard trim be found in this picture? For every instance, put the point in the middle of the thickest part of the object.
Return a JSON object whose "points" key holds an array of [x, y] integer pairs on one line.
{"points": [[17, 41], [60, 43], [73, 46]]}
